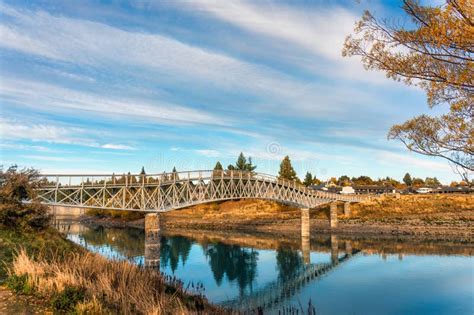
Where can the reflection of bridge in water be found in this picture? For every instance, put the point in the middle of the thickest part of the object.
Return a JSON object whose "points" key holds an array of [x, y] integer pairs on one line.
{"points": [[279, 291], [295, 270]]}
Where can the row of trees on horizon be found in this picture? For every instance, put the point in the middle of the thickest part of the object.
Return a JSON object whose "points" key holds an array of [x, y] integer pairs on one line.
{"points": [[287, 172]]}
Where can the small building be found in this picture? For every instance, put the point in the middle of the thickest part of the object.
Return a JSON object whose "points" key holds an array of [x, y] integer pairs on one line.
{"points": [[321, 187], [453, 190], [374, 189], [347, 190]]}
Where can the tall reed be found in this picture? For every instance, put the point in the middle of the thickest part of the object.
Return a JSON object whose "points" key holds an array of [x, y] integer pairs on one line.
{"points": [[118, 286]]}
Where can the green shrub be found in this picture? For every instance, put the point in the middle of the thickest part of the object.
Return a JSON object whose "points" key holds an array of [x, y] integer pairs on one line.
{"points": [[19, 284], [15, 187], [66, 300]]}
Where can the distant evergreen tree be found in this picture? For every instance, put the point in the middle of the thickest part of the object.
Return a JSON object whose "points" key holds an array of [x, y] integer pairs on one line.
{"points": [[174, 174], [142, 175], [241, 163], [218, 166], [249, 166], [407, 179], [218, 170], [286, 170], [308, 179]]}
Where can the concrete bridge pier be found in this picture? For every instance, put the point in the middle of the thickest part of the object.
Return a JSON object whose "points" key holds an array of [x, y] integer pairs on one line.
{"points": [[305, 235], [347, 209], [152, 240], [334, 249], [333, 215]]}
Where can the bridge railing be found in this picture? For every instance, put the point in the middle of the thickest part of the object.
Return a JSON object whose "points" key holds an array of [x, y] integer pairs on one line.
{"points": [[64, 181]]}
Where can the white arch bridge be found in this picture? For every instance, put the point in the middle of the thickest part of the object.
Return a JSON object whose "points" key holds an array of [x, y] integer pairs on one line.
{"points": [[171, 191], [159, 193]]}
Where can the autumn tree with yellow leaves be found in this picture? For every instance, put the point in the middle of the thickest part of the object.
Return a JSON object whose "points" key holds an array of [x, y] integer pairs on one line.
{"points": [[437, 54]]}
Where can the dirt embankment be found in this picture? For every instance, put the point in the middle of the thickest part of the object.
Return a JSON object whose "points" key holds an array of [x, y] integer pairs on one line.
{"points": [[433, 216]]}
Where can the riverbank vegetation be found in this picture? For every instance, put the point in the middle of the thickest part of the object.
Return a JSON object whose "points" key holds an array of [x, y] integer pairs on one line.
{"points": [[88, 283], [36, 260]]}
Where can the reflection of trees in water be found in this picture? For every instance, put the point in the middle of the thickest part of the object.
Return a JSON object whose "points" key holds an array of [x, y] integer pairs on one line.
{"points": [[127, 242], [236, 263], [172, 249], [289, 262]]}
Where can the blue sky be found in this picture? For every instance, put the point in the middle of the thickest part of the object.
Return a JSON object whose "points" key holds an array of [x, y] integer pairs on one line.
{"points": [[111, 86]]}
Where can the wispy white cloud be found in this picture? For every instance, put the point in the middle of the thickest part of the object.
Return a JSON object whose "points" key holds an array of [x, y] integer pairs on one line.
{"points": [[113, 146], [92, 43], [45, 158], [24, 147], [320, 31], [11, 130], [100, 45], [53, 98], [14, 129], [51, 158]]}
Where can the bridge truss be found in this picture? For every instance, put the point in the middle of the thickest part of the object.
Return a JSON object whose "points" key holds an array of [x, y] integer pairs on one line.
{"points": [[170, 191]]}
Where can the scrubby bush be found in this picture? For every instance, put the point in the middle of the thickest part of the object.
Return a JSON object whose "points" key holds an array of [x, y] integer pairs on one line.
{"points": [[66, 300], [17, 283], [16, 187]]}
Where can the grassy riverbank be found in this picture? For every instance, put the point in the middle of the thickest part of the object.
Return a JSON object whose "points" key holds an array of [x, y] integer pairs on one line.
{"points": [[63, 277], [38, 262], [48, 242]]}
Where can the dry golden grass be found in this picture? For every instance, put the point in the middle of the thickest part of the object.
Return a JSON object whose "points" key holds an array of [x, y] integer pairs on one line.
{"points": [[455, 205], [109, 286], [240, 210], [252, 211]]}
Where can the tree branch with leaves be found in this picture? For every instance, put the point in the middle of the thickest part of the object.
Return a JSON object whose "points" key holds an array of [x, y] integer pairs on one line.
{"points": [[436, 54]]}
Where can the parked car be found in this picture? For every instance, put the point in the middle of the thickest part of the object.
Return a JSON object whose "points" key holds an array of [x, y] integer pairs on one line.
{"points": [[424, 190]]}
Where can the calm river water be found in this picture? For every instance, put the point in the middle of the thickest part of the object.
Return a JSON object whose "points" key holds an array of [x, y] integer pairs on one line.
{"points": [[333, 275]]}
